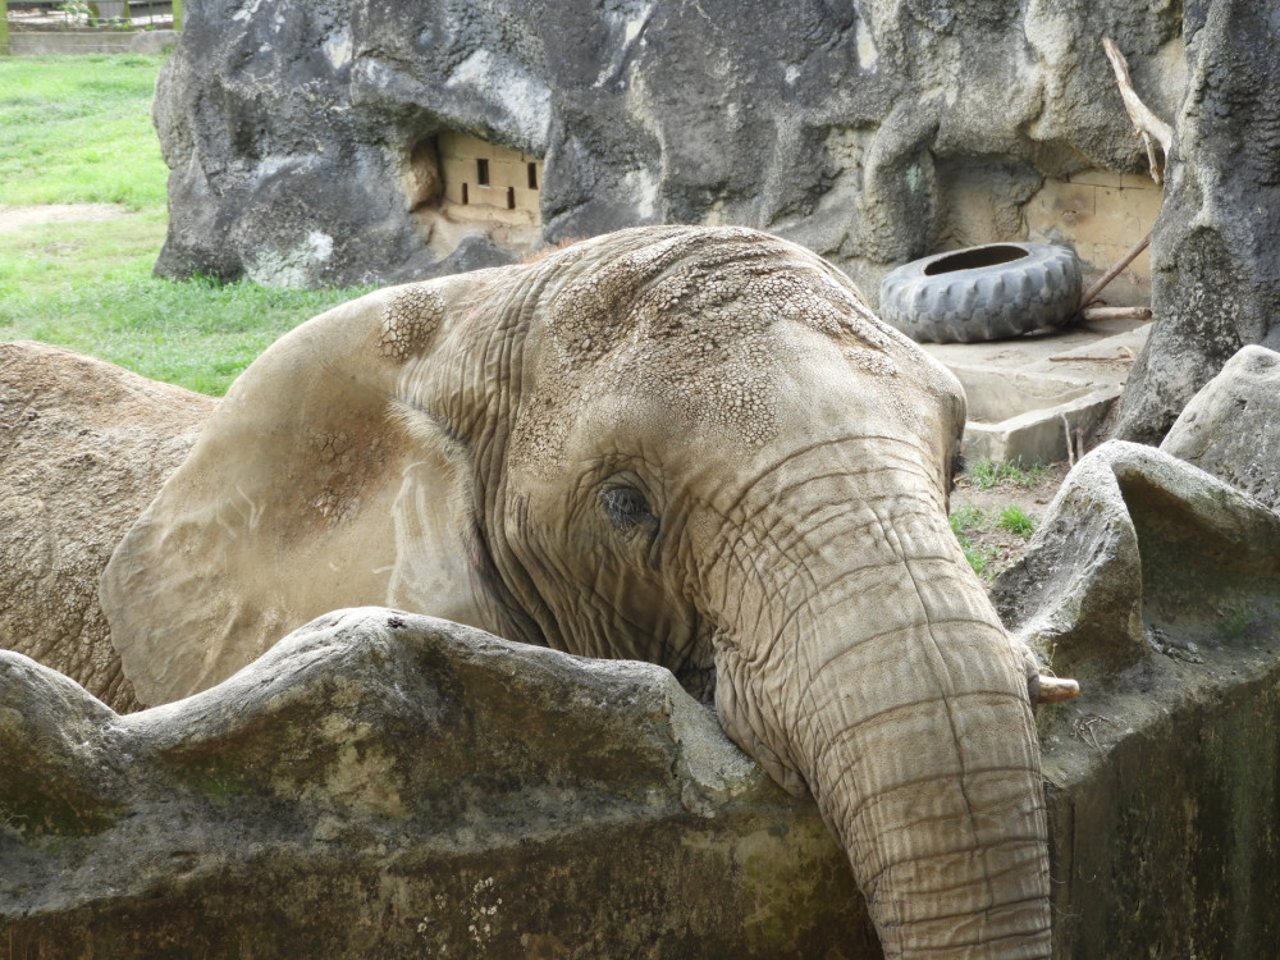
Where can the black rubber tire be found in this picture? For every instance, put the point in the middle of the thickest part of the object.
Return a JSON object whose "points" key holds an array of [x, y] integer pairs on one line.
{"points": [[1014, 288]]}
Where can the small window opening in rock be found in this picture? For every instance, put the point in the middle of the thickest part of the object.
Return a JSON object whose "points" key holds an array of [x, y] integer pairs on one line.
{"points": [[533, 176], [485, 183], [970, 259]]}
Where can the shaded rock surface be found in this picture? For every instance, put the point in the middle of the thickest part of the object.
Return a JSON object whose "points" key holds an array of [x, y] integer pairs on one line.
{"points": [[1158, 586], [386, 784], [84, 447], [299, 136], [1231, 428], [1215, 273]]}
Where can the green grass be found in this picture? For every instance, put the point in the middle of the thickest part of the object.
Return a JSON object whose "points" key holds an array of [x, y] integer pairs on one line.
{"points": [[195, 333], [78, 130], [985, 474], [966, 523], [1014, 520], [969, 519], [973, 526]]}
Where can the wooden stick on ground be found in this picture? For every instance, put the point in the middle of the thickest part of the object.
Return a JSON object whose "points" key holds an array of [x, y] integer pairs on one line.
{"points": [[1084, 359], [1092, 293], [1148, 125], [1125, 356], [1116, 313]]}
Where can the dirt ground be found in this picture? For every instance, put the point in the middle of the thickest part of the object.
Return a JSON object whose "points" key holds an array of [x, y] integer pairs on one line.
{"points": [[15, 218], [1029, 493]]}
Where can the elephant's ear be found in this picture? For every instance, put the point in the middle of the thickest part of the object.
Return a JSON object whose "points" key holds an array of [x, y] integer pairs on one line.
{"points": [[315, 485]]}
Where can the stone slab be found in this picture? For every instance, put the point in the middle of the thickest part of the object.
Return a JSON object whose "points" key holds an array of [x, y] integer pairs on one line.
{"points": [[1009, 384]]}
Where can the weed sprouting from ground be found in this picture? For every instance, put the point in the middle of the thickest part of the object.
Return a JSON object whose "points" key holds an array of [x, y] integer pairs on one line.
{"points": [[1013, 519], [965, 523], [974, 529], [985, 474], [968, 518]]}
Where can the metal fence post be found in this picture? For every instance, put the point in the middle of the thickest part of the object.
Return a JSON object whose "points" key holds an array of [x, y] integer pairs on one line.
{"points": [[177, 14]]}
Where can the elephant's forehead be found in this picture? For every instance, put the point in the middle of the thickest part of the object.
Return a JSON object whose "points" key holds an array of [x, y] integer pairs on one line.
{"points": [[697, 289], [736, 339]]}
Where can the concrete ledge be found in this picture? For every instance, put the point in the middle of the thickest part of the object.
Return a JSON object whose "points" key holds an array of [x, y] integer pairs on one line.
{"points": [[23, 43], [1021, 391], [1027, 415]]}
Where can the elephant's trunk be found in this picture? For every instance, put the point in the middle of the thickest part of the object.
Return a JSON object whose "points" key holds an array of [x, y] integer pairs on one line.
{"points": [[913, 729], [935, 792]]}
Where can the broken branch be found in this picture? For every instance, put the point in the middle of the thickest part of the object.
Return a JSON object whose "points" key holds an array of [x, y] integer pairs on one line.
{"points": [[1117, 313], [1083, 358], [1148, 125], [1092, 293]]}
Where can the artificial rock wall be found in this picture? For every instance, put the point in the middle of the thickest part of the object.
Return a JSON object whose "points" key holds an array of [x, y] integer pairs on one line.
{"points": [[304, 141], [871, 131]]}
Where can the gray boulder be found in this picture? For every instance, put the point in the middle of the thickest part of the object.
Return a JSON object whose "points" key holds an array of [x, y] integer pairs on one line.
{"points": [[302, 138], [1215, 272], [391, 785], [1231, 428], [1140, 553], [1158, 587], [153, 42], [84, 447]]}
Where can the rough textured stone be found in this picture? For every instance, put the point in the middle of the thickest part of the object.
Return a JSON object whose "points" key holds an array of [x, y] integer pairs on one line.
{"points": [[386, 784], [1215, 273], [296, 133], [153, 42], [1158, 586], [1231, 428], [84, 447]]}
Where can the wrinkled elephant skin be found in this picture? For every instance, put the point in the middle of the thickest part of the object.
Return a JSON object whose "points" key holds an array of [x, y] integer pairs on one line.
{"points": [[686, 445]]}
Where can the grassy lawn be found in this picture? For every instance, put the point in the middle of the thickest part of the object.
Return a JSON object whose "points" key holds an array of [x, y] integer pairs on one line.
{"points": [[78, 130]]}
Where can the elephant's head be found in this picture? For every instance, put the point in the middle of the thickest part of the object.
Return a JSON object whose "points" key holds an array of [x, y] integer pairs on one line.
{"points": [[692, 446]]}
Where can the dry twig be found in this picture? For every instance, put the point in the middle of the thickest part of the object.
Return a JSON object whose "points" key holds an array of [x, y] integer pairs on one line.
{"points": [[1116, 313], [1075, 441], [1125, 356], [1114, 271], [1083, 728], [1148, 125]]}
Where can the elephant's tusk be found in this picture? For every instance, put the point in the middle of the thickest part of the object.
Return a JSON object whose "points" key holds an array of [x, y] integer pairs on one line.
{"points": [[1056, 689]]}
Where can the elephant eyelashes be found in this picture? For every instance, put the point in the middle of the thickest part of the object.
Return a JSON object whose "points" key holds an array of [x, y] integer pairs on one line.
{"points": [[626, 508]]}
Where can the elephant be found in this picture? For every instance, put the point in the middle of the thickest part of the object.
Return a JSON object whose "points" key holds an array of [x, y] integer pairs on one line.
{"points": [[690, 445]]}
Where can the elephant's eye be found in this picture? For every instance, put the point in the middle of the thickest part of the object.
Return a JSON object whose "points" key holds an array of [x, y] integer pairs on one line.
{"points": [[626, 508]]}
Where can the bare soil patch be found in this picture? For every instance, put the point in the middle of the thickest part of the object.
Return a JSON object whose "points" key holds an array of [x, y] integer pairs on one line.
{"points": [[15, 218], [980, 509]]}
